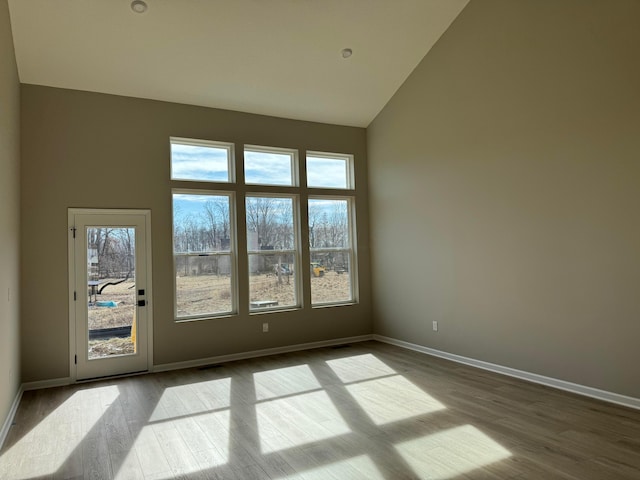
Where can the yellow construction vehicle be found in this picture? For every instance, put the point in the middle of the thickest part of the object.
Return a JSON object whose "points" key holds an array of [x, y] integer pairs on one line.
{"points": [[317, 269]]}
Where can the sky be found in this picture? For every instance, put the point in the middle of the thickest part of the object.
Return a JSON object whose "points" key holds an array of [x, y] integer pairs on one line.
{"points": [[211, 163]]}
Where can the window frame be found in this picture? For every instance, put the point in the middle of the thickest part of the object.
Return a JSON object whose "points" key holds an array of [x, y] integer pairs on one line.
{"points": [[228, 146], [349, 169], [351, 250], [295, 162], [296, 252], [232, 253]]}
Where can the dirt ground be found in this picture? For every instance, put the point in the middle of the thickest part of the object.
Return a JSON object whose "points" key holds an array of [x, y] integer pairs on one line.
{"points": [[210, 293], [202, 294]]}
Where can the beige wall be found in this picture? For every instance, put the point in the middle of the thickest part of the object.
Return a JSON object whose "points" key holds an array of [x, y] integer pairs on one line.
{"points": [[9, 217], [90, 150], [505, 192]]}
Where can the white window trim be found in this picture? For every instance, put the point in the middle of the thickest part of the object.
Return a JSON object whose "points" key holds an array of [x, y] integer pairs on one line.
{"points": [[350, 172], [229, 147], [295, 170], [350, 250], [296, 252], [232, 253]]}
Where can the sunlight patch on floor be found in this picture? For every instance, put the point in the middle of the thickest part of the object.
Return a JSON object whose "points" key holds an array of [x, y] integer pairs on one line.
{"points": [[193, 399], [298, 420], [359, 367], [46, 448], [184, 446], [284, 381], [390, 399], [357, 467], [451, 453]]}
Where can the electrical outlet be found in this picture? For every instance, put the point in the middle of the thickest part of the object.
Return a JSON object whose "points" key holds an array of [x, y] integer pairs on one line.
{"points": [[265, 327], [435, 326]]}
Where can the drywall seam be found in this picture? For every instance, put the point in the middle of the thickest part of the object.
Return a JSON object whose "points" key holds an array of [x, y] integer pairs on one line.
{"points": [[583, 390]]}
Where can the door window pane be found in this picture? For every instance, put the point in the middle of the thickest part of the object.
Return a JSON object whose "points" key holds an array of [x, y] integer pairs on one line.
{"points": [[111, 291]]}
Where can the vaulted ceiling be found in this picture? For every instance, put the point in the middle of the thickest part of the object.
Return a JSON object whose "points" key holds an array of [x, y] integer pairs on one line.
{"points": [[272, 57]]}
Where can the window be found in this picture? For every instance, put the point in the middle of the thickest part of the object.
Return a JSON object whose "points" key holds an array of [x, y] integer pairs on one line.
{"points": [[270, 166], [199, 160], [273, 252], [207, 280], [325, 170], [203, 252], [331, 250]]}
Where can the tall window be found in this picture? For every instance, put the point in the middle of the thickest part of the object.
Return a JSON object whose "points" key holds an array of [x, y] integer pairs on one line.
{"points": [[331, 250], [273, 251], [204, 196], [203, 251], [331, 229]]}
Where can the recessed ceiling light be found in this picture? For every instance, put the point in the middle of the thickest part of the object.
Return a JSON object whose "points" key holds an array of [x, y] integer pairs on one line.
{"points": [[346, 52], [139, 6]]}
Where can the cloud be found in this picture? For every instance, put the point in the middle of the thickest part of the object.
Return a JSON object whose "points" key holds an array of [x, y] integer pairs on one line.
{"points": [[267, 168], [326, 172], [193, 162]]}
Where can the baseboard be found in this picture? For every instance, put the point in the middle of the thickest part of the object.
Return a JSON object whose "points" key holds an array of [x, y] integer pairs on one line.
{"points": [[610, 397], [6, 426], [54, 382], [165, 367]]}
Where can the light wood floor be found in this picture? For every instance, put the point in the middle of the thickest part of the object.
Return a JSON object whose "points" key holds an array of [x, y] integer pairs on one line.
{"points": [[369, 410]]}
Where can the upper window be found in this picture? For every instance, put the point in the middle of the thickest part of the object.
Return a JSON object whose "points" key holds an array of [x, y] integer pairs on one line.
{"points": [[200, 160], [325, 170], [270, 166]]}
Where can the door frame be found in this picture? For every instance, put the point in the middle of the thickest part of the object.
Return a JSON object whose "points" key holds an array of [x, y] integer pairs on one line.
{"points": [[71, 213]]}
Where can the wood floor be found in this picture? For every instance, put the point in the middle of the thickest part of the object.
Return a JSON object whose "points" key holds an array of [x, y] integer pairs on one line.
{"points": [[369, 410]]}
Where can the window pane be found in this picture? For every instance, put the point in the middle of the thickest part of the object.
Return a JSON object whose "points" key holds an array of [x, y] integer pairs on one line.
{"points": [[328, 223], [203, 285], [200, 162], [328, 172], [270, 224], [201, 223], [202, 245], [331, 250], [268, 168], [331, 277], [272, 281]]}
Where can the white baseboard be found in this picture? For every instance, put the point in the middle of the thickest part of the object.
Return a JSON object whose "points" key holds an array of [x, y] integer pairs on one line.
{"points": [[165, 367], [610, 397], [40, 384], [4, 431]]}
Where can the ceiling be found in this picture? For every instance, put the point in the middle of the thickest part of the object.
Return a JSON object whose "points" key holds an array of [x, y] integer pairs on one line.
{"points": [[271, 57]]}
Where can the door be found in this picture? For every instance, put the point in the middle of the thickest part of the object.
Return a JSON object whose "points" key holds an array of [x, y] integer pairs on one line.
{"points": [[109, 271]]}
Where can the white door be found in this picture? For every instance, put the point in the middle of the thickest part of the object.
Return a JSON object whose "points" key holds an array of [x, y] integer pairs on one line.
{"points": [[110, 292]]}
